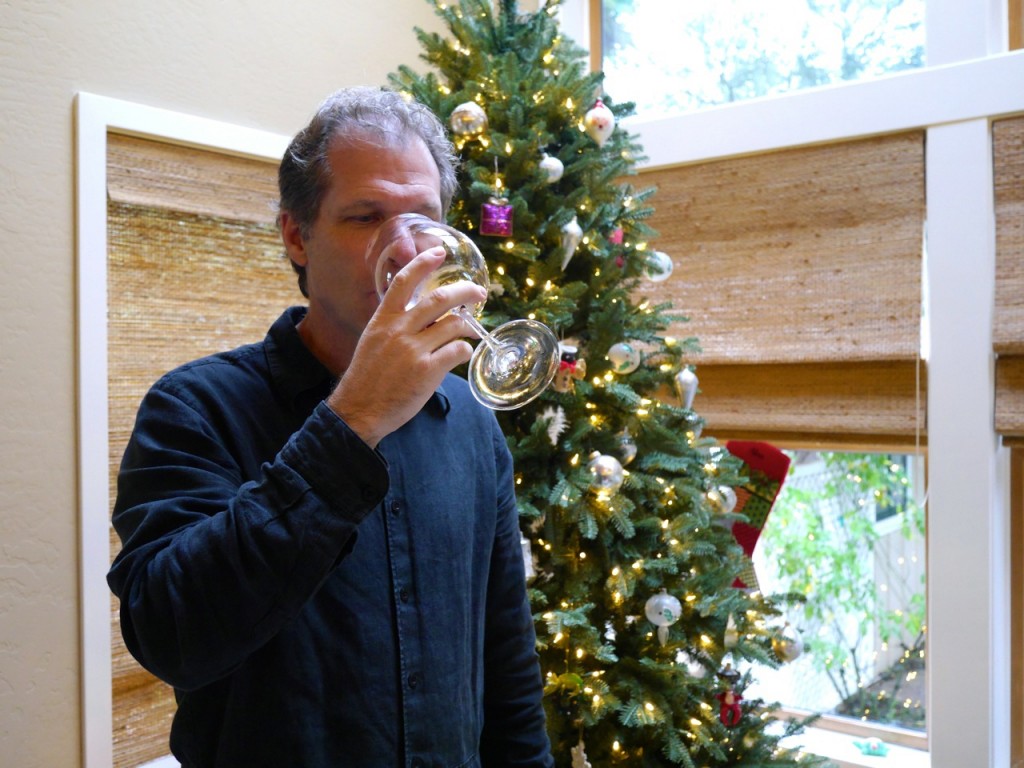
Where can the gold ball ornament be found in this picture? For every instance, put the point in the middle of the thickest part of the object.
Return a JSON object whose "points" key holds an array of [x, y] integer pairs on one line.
{"points": [[786, 644], [468, 119], [723, 499]]}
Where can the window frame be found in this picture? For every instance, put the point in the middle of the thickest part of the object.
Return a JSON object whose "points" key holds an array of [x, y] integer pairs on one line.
{"points": [[96, 117]]}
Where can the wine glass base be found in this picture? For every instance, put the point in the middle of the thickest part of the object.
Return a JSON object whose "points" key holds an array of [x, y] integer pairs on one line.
{"points": [[519, 370]]}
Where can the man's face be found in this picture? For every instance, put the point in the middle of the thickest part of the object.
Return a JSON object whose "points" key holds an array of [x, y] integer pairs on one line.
{"points": [[369, 183]]}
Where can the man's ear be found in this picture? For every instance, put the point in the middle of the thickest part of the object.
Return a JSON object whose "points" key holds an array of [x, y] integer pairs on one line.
{"points": [[291, 236]]}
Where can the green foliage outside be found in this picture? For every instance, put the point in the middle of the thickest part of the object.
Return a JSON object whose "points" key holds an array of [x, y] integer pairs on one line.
{"points": [[824, 538], [613, 690], [705, 52]]}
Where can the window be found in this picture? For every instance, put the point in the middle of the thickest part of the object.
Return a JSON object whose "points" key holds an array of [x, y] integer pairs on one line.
{"points": [[669, 56], [847, 536]]}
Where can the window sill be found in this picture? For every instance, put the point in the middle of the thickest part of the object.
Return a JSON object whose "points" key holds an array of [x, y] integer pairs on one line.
{"points": [[842, 750]]}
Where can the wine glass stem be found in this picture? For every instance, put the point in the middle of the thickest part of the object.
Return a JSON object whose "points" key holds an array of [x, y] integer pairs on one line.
{"points": [[479, 330]]}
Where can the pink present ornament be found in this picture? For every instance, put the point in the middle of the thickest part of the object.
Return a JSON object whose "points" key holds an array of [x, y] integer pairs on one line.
{"points": [[496, 218]]}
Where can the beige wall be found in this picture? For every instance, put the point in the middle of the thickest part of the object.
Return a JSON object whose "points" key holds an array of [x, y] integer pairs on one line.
{"points": [[250, 62]]}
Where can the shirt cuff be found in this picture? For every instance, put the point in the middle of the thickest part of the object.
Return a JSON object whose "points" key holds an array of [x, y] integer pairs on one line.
{"points": [[337, 464]]}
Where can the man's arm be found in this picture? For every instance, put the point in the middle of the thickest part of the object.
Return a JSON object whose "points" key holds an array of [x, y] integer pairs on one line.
{"points": [[214, 563]]}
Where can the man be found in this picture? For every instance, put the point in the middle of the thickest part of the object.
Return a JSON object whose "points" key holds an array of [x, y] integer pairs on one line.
{"points": [[320, 542]]}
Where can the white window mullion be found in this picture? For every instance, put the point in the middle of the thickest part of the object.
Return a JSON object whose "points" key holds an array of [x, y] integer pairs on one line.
{"points": [[968, 520], [968, 575], [958, 31]]}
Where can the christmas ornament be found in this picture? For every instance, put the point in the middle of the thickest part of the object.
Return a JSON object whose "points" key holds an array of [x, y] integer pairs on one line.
{"points": [[624, 357], [658, 266], [729, 675], [599, 122], [606, 473], [572, 234], [524, 544], [694, 668], [496, 217], [663, 610], [872, 746], [555, 417], [766, 468], [552, 167], [732, 634], [686, 387], [570, 369], [579, 756], [627, 447], [468, 119], [729, 711], [786, 643], [723, 499], [616, 237]]}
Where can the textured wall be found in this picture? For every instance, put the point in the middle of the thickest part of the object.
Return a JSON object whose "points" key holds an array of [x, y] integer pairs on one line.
{"points": [[252, 63]]}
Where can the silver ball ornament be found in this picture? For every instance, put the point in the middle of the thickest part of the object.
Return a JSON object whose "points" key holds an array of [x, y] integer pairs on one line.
{"points": [[624, 357], [552, 167], [663, 610], [658, 266], [606, 473]]}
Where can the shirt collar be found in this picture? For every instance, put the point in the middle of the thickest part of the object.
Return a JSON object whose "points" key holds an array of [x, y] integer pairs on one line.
{"points": [[296, 372]]}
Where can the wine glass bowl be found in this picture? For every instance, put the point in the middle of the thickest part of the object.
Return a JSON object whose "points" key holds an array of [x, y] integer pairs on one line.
{"points": [[512, 364], [397, 241]]}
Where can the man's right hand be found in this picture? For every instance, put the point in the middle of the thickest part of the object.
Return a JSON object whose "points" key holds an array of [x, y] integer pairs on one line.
{"points": [[403, 354]]}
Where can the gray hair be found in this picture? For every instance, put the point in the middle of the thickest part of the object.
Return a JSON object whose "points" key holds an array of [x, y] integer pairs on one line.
{"points": [[305, 172]]}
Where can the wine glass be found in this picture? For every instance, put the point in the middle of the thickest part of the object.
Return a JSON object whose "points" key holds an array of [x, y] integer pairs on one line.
{"points": [[516, 361]]}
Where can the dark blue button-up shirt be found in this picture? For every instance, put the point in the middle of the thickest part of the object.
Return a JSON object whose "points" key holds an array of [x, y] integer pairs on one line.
{"points": [[315, 602]]}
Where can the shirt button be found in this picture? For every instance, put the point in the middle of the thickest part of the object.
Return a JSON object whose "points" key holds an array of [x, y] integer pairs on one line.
{"points": [[414, 680], [396, 508], [403, 595]]}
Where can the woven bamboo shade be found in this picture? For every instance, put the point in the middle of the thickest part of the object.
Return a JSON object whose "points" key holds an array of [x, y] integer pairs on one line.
{"points": [[152, 174], [181, 283], [800, 271], [1008, 331]]}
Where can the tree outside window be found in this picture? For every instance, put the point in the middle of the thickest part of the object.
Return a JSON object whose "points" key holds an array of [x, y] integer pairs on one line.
{"points": [[847, 534], [670, 56]]}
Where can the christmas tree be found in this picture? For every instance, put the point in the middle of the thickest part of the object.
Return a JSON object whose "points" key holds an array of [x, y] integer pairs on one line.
{"points": [[648, 626]]}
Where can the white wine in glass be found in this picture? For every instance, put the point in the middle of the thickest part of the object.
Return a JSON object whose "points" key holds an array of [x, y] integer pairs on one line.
{"points": [[516, 361]]}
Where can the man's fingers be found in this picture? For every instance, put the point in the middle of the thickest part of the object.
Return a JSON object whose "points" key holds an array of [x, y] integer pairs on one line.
{"points": [[405, 283]]}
